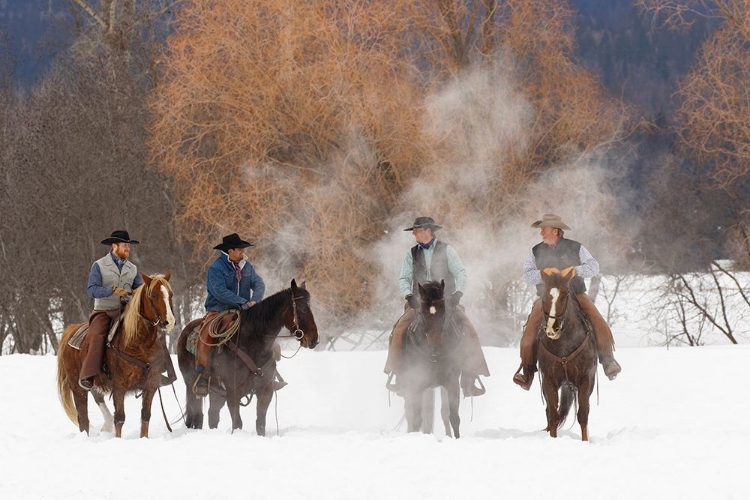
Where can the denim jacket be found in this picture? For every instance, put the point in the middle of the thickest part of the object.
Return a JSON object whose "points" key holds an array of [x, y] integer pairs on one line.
{"points": [[223, 290]]}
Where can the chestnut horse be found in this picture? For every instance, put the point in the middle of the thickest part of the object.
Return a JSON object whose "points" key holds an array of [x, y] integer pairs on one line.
{"points": [[567, 352], [432, 357], [135, 358], [259, 327]]}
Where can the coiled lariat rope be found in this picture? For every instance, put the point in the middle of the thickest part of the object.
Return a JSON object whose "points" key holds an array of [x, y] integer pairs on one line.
{"points": [[223, 337]]}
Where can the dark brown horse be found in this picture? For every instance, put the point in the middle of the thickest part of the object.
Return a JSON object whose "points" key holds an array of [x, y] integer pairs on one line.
{"points": [[567, 352], [135, 358], [259, 328], [432, 357]]}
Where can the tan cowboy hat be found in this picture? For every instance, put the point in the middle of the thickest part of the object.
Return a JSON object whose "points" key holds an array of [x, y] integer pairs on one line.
{"points": [[551, 220]]}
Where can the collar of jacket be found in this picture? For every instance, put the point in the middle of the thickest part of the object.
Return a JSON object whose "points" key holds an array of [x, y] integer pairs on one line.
{"points": [[229, 262]]}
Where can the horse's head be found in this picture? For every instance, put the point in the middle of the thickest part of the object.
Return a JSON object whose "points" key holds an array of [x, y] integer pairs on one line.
{"points": [[432, 309], [555, 299], [299, 318], [157, 300]]}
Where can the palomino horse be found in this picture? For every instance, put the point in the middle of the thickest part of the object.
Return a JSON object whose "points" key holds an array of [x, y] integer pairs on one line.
{"points": [[567, 352], [135, 358], [245, 364], [432, 357]]}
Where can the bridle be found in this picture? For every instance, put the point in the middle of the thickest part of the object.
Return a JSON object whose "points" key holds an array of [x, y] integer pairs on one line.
{"points": [[560, 318], [296, 331]]}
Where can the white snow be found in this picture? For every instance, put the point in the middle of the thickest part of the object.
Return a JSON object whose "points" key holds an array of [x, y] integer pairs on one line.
{"points": [[672, 426]]}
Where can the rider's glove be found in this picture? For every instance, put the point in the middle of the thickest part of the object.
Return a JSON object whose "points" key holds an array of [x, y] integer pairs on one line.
{"points": [[455, 298], [120, 292], [248, 304]]}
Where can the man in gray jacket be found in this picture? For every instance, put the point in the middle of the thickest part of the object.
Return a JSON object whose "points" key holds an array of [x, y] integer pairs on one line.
{"points": [[111, 280]]}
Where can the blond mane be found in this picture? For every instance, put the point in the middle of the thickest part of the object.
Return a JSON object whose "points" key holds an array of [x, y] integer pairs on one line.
{"points": [[133, 313]]}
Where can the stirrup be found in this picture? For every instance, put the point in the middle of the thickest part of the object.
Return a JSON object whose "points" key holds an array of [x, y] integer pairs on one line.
{"points": [[200, 389], [523, 380], [278, 382], [474, 391]]}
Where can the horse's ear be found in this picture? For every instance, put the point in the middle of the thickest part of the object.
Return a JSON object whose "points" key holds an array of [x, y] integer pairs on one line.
{"points": [[302, 286], [146, 278], [294, 285], [569, 270], [168, 274], [549, 271], [442, 285]]}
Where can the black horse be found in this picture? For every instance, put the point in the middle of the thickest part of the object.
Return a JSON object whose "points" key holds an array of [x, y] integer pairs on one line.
{"points": [[567, 352], [432, 357], [259, 328]]}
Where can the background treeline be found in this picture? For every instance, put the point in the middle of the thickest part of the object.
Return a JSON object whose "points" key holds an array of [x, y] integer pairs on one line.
{"points": [[319, 129]]}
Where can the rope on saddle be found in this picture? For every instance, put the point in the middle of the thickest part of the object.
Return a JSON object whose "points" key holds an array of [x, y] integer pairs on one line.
{"points": [[222, 337]]}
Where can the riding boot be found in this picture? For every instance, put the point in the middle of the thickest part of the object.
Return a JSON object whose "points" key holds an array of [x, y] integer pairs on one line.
{"points": [[396, 344], [605, 342], [92, 351], [200, 386], [529, 347]]}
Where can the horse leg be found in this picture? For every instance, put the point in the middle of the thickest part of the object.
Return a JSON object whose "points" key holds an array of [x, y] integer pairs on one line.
{"points": [[264, 400], [233, 403], [550, 395], [194, 410], [148, 398], [109, 425], [413, 406], [584, 393], [215, 404], [454, 399], [118, 397], [445, 411], [428, 411], [81, 400]]}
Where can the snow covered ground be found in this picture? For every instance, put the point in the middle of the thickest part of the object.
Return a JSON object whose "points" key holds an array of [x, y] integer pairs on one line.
{"points": [[672, 426]]}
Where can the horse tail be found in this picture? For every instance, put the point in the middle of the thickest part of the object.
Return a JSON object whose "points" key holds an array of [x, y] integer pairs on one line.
{"points": [[567, 396], [63, 385]]}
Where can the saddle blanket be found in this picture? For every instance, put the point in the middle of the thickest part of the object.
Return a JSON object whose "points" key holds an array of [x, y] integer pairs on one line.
{"points": [[77, 339]]}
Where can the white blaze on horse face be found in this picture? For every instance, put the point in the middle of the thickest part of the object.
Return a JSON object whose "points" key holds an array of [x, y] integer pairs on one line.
{"points": [[170, 316], [549, 330], [433, 310]]}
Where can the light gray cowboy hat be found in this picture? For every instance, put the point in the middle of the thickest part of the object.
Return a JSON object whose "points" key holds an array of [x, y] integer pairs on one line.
{"points": [[424, 222], [551, 220]]}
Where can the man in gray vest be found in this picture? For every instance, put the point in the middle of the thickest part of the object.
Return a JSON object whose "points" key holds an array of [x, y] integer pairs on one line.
{"points": [[111, 279], [433, 260], [561, 253]]}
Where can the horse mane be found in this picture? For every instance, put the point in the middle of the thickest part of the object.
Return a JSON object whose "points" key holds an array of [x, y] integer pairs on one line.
{"points": [[264, 312], [132, 311]]}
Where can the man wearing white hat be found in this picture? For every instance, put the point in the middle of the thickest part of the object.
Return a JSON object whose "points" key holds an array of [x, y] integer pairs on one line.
{"points": [[557, 251]]}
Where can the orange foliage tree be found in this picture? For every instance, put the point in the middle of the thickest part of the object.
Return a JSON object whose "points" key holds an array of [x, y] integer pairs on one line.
{"points": [[308, 126]]}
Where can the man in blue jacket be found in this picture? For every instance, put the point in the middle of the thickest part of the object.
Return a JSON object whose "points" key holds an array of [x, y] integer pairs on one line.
{"points": [[232, 283]]}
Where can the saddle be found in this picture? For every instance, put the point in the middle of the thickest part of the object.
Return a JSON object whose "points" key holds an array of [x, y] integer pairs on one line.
{"points": [[76, 341]]}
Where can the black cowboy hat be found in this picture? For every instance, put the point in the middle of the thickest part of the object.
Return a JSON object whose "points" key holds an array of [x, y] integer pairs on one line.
{"points": [[232, 241], [119, 237], [424, 222]]}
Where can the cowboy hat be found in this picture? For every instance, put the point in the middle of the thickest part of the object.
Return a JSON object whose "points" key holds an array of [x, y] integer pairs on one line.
{"points": [[232, 241], [424, 222], [551, 220], [119, 237]]}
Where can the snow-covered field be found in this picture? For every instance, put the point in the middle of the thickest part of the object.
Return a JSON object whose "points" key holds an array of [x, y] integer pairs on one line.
{"points": [[673, 425]]}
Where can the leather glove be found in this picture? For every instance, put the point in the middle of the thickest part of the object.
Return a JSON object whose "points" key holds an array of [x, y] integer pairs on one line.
{"points": [[248, 305], [455, 298], [413, 301], [120, 292]]}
